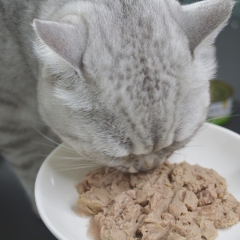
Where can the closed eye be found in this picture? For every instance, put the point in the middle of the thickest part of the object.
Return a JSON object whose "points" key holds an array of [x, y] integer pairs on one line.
{"points": [[106, 154]]}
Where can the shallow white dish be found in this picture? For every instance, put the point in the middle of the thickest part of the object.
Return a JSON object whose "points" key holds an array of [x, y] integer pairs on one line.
{"points": [[213, 147]]}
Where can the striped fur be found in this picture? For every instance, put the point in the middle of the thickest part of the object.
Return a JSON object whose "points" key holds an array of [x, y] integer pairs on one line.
{"points": [[124, 82]]}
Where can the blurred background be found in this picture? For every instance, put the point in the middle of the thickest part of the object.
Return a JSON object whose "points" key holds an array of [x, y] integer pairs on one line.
{"points": [[17, 220]]}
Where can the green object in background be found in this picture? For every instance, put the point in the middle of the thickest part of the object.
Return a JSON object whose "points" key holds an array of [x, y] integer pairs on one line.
{"points": [[220, 91], [221, 102], [219, 121]]}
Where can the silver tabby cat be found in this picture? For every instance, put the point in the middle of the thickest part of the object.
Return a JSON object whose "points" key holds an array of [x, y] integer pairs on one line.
{"points": [[123, 82]]}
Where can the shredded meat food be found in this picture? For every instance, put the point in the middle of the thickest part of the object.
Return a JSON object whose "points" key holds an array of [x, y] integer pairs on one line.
{"points": [[172, 202]]}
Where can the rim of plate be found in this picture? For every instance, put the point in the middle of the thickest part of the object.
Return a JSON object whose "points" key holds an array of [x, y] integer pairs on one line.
{"points": [[40, 207]]}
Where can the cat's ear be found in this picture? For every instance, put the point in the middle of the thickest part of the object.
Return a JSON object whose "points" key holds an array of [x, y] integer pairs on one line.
{"points": [[66, 40], [204, 20]]}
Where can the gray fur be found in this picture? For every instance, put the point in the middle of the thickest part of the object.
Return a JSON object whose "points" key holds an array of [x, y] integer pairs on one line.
{"points": [[125, 83]]}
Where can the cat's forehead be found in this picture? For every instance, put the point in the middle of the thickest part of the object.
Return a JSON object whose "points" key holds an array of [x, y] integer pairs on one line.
{"points": [[135, 54], [123, 21], [144, 71], [137, 41]]}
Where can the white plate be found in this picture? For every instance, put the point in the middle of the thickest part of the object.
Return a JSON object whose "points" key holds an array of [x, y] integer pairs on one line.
{"points": [[56, 196]]}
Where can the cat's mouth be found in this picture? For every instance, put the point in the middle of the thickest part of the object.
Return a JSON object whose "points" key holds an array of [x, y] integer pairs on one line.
{"points": [[131, 163], [141, 163]]}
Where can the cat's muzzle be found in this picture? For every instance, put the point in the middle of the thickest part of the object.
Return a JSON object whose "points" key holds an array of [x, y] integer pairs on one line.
{"points": [[144, 163]]}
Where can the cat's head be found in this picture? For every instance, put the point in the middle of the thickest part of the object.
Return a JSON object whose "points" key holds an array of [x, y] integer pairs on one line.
{"points": [[126, 83]]}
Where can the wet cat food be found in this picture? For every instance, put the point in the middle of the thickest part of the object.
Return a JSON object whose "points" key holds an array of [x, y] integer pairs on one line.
{"points": [[172, 202]]}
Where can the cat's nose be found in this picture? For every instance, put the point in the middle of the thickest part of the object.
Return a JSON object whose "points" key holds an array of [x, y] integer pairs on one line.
{"points": [[149, 163], [144, 164]]}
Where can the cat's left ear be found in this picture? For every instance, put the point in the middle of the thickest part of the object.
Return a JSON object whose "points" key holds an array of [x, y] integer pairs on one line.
{"points": [[66, 40], [202, 21]]}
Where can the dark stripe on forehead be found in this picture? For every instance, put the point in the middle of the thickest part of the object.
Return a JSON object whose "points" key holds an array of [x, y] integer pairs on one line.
{"points": [[27, 165], [17, 143], [9, 102], [143, 139], [11, 129], [11, 96]]}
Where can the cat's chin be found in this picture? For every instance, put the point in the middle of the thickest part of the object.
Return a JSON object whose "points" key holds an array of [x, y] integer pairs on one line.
{"points": [[131, 169], [142, 168]]}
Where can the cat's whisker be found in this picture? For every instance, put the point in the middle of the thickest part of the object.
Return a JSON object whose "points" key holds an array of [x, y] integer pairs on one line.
{"points": [[71, 162], [185, 156], [42, 155], [68, 148], [235, 115], [215, 118], [95, 172], [75, 162], [53, 147], [111, 164], [44, 144], [49, 139], [35, 121], [76, 158], [59, 166], [190, 146], [108, 167], [63, 161], [109, 175], [64, 158], [46, 137], [72, 168], [177, 153], [74, 165]]}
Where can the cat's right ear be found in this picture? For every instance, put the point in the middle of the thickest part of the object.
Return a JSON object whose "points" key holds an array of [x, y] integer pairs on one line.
{"points": [[66, 40]]}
